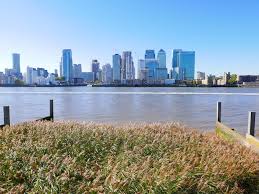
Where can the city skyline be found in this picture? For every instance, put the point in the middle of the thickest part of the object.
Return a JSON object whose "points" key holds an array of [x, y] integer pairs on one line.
{"points": [[219, 31]]}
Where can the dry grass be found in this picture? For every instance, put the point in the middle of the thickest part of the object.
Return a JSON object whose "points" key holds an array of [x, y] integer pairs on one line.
{"points": [[149, 158]]}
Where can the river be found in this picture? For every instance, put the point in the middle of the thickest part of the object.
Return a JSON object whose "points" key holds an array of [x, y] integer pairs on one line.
{"points": [[194, 107]]}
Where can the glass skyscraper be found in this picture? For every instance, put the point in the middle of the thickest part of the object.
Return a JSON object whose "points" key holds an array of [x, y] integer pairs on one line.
{"points": [[77, 70], [183, 65], [161, 57], [174, 60], [16, 63], [67, 65], [150, 54], [151, 65], [161, 72], [116, 66], [95, 68], [142, 70]]}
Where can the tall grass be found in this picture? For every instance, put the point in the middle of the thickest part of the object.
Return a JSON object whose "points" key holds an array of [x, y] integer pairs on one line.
{"points": [[67, 157]]}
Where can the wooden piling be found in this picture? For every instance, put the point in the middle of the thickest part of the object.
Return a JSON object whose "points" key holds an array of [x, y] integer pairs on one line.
{"points": [[251, 123], [51, 110], [6, 115], [219, 112]]}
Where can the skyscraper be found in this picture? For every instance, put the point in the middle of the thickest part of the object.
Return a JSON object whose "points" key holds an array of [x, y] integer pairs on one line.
{"points": [[151, 65], [127, 66], [183, 65], [77, 70], [116, 66], [142, 70], [95, 68], [161, 72], [67, 65], [161, 57], [175, 63], [150, 54], [16, 63], [107, 74]]}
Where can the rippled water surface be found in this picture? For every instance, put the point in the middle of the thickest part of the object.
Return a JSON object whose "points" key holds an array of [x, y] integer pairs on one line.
{"points": [[195, 107]]}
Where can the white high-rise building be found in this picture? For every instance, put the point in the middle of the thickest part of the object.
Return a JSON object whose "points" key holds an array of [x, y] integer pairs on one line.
{"points": [[107, 74], [127, 67], [31, 76]]}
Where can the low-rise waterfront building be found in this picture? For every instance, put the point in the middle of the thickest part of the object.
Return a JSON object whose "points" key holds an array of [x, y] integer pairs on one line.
{"points": [[247, 78], [88, 77]]}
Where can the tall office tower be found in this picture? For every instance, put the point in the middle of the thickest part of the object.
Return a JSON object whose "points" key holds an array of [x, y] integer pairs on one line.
{"points": [[107, 74], [150, 54], [95, 68], [151, 65], [127, 66], [16, 63], [161, 72], [60, 69], [142, 70], [99, 75], [175, 62], [183, 65], [161, 57], [116, 66], [67, 65], [77, 70]]}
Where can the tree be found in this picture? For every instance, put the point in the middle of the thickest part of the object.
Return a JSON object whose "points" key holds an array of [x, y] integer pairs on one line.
{"points": [[19, 82], [60, 79], [233, 79]]}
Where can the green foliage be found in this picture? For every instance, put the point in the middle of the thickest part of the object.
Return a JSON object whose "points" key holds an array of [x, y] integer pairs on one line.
{"points": [[233, 79], [60, 79], [19, 82], [45, 157]]}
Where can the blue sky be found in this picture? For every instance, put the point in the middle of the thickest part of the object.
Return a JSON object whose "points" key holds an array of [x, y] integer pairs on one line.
{"points": [[224, 33]]}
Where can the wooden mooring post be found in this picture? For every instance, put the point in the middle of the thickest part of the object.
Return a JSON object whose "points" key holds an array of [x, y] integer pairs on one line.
{"points": [[232, 135], [51, 110], [219, 112], [251, 123], [7, 120]]}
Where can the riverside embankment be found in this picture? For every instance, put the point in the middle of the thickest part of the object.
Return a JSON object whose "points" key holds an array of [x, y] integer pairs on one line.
{"points": [[69, 157]]}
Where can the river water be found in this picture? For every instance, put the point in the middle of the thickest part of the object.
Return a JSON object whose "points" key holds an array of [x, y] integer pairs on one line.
{"points": [[194, 107]]}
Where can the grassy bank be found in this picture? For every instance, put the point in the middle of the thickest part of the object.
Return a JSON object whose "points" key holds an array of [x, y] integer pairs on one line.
{"points": [[158, 158]]}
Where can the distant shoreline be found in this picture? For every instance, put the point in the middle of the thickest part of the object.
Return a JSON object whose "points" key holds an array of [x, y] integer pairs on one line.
{"points": [[118, 86]]}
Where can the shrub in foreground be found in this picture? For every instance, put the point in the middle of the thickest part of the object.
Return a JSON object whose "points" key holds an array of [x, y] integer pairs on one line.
{"points": [[60, 157]]}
